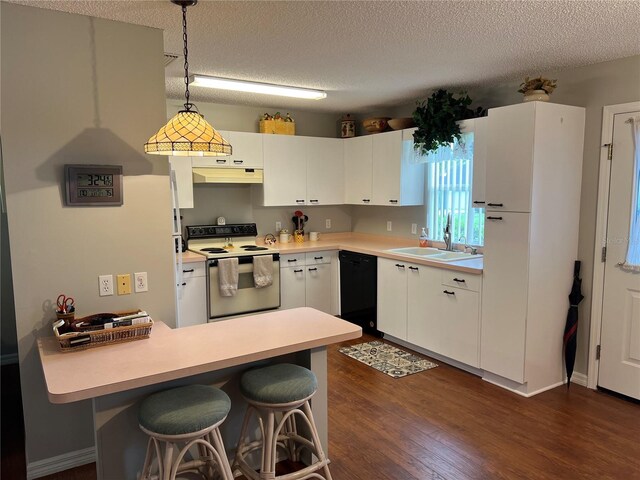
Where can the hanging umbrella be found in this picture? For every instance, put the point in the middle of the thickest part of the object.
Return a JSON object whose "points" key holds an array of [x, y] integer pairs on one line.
{"points": [[569, 342]]}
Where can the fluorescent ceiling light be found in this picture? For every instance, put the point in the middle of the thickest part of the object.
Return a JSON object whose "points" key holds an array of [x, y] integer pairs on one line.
{"points": [[255, 87]]}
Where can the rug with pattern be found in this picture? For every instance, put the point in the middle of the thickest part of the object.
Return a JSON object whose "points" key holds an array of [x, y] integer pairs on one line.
{"points": [[388, 359]]}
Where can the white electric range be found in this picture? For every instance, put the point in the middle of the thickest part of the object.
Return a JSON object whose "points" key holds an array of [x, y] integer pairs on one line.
{"points": [[218, 242]]}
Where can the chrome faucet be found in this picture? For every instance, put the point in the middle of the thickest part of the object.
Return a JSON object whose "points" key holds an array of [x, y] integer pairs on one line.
{"points": [[448, 241]]}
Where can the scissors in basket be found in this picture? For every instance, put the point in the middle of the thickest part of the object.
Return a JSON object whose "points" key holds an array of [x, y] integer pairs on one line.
{"points": [[65, 304]]}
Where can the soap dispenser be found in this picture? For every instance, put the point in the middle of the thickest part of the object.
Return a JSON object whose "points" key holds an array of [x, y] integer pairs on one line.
{"points": [[424, 238]]}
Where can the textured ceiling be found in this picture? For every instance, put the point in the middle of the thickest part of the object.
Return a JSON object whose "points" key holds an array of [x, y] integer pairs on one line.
{"points": [[375, 53]]}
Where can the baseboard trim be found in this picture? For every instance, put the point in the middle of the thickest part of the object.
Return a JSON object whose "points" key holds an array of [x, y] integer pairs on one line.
{"points": [[579, 379], [60, 463], [8, 359]]}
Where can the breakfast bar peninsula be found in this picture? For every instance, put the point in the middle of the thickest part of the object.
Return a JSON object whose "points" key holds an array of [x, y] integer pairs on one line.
{"points": [[117, 377]]}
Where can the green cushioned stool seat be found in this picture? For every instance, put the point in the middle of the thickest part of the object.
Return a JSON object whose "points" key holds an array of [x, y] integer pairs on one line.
{"points": [[183, 410], [280, 383]]}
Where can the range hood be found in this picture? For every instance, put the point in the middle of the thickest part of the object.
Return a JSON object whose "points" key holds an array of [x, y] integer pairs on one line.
{"points": [[226, 175]]}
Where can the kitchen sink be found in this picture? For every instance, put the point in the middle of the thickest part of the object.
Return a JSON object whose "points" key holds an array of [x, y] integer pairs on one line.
{"points": [[435, 254]]}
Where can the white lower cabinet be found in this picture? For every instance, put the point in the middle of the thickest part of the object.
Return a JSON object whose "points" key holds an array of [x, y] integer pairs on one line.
{"points": [[392, 298], [432, 308], [192, 295], [308, 280]]}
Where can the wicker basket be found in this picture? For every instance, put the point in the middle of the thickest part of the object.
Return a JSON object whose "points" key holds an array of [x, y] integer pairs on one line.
{"points": [[278, 127], [81, 340]]}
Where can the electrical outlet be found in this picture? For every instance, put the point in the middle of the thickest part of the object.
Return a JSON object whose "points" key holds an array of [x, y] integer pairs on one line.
{"points": [[278, 226], [124, 284], [389, 226], [327, 223], [414, 228], [105, 285], [140, 284]]}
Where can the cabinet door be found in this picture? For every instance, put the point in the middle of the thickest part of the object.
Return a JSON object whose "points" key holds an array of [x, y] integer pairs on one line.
{"points": [[214, 161], [325, 171], [386, 167], [318, 287], [192, 301], [412, 174], [480, 141], [357, 170], [504, 294], [510, 158], [247, 149], [184, 180], [292, 287], [459, 325], [423, 307], [285, 171], [392, 297]]}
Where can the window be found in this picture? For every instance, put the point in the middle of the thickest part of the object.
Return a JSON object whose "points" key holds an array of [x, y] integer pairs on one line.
{"points": [[449, 183]]}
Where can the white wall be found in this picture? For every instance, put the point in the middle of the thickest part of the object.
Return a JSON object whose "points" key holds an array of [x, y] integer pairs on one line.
{"points": [[79, 90]]}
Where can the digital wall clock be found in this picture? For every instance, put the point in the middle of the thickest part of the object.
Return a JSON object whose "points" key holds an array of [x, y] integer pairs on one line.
{"points": [[93, 185]]}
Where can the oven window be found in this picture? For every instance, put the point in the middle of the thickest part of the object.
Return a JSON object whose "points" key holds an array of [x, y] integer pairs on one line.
{"points": [[245, 280]]}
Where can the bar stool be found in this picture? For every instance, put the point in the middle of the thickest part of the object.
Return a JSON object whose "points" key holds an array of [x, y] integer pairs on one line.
{"points": [[187, 415], [276, 395]]}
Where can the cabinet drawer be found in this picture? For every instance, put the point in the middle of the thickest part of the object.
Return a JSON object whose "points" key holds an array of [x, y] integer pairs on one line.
{"points": [[194, 269], [292, 260], [316, 258], [466, 281]]}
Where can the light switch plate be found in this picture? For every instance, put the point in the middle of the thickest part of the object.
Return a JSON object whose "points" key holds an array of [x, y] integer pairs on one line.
{"points": [[414, 228], [388, 226], [124, 284]]}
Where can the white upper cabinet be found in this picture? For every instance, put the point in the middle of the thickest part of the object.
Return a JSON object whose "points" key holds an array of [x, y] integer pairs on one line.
{"points": [[325, 171], [184, 180], [247, 149], [303, 171], [224, 161], [357, 170], [247, 152], [381, 169], [511, 133], [386, 167], [285, 170], [480, 139]]}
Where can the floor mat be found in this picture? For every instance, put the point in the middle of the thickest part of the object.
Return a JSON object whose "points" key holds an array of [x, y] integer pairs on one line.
{"points": [[388, 359]]}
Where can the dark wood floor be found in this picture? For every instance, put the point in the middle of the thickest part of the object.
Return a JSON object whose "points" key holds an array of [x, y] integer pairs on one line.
{"points": [[447, 424]]}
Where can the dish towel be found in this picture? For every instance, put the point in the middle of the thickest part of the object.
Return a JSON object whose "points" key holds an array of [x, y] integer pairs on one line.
{"points": [[263, 270], [228, 276]]}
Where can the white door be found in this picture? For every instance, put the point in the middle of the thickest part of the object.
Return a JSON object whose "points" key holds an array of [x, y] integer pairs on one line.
{"points": [[357, 170], [423, 314], [247, 149], [325, 171], [285, 170], [386, 163], [318, 287], [620, 336], [292, 287], [392, 297]]}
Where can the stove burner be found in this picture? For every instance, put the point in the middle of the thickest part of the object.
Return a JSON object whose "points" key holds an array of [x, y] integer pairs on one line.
{"points": [[253, 248], [214, 250]]}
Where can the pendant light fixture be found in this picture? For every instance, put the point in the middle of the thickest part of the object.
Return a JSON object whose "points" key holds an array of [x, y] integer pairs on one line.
{"points": [[187, 134]]}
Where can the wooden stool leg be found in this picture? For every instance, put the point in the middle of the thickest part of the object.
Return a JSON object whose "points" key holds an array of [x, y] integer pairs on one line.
{"points": [[268, 471], [306, 407], [167, 462], [215, 438]]}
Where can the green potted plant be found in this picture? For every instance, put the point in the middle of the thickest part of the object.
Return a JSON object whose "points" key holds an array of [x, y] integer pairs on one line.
{"points": [[436, 119], [537, 89]]}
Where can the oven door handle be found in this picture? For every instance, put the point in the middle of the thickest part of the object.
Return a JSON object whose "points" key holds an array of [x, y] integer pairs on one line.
{"points": [[245, 259]]}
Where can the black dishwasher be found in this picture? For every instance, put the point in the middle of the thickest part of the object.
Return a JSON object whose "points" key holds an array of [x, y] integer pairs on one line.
{"points": [[358, 290]]}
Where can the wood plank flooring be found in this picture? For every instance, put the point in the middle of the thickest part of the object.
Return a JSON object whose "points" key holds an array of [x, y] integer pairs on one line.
{"points": [[447, 424]]}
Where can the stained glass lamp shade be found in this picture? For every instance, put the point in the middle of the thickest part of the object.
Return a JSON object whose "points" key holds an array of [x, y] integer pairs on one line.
{"points": [[188, 134]]}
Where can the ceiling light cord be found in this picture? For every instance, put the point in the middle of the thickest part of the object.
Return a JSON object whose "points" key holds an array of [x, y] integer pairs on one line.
{"points": [[188, 104]]}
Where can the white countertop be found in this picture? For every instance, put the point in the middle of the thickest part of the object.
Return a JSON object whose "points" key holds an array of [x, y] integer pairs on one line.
{"points": [[170, 354]]}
